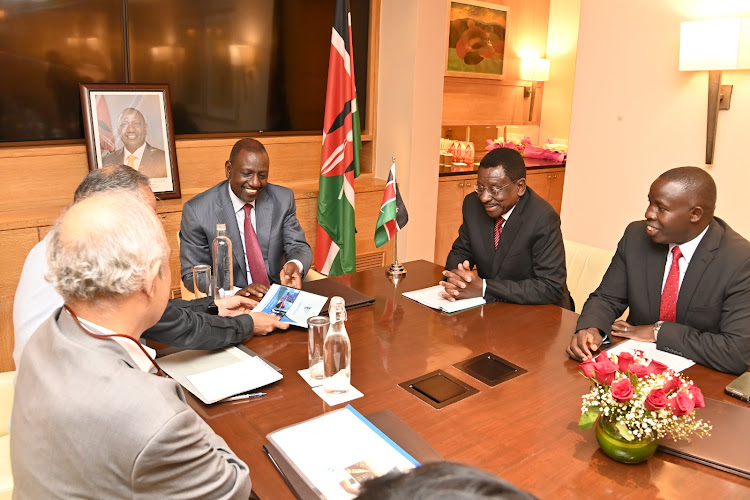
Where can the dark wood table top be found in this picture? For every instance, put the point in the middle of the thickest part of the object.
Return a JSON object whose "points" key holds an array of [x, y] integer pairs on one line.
{"points": [[523, 430]]}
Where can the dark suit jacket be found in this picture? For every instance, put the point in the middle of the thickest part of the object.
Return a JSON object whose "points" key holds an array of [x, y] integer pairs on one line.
{"points": [[528, 266], [277, 227], [713, 306], [153, 163]]}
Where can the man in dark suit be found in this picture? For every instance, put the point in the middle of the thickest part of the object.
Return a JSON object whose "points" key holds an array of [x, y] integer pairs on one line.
{"points": [[511, 235], [136, 152], [261, 221], [685, 275]]}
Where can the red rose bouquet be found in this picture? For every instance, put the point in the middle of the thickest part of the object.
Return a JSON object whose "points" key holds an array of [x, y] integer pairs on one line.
{"points": [[641, 398]]}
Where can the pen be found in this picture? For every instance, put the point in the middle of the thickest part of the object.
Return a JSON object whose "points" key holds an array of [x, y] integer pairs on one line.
{"points": [[240, 397]]}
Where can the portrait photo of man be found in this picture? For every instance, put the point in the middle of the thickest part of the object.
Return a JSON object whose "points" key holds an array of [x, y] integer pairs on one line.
{"points": [[136, 152]]}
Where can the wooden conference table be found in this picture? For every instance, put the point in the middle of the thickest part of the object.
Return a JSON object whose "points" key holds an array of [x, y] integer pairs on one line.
{"points": [[523, 430]]}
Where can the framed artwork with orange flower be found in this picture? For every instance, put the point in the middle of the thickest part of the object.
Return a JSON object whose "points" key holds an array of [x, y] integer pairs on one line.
{"points": [[476, 39]]}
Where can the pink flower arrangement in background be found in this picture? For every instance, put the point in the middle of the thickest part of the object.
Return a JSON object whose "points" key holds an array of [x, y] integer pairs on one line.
{"points": [[527, 149], [641, 397]]}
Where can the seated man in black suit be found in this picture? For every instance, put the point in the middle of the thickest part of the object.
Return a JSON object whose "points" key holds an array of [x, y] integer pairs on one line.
{"points": [[513, 238], [268, 243], [685, 275]]}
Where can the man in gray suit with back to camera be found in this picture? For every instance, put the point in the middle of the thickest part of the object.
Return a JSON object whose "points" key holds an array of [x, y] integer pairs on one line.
{"points": [[88, 419], [261, 222]]}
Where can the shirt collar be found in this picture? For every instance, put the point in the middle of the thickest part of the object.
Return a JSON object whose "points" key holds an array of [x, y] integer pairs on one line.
{"points": [[138, 152], [237, 204], [141, 361], [506, 215], [689, 247]]}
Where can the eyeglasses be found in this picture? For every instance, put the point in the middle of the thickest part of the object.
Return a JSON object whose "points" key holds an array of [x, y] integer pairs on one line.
{"points": [[492, 190]]}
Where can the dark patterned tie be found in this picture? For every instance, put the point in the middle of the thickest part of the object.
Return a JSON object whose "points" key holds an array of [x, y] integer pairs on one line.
{"points": [[498, 230], [252, 250], [668, 307]]}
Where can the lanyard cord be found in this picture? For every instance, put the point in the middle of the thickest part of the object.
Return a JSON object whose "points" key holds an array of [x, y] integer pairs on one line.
{"points": [[159, 371]]}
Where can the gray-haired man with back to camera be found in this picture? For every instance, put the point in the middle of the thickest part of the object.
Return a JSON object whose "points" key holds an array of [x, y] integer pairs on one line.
{"points": [[88, 419], [186, 324]]}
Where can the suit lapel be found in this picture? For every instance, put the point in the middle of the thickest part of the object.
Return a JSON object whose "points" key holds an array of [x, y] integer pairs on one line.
{"points": [[703, 256], [225, 209], [655, 262], [263, 222]]}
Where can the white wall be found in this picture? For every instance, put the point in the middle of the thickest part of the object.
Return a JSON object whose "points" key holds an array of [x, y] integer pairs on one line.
{"points": [[635, 115], [562, 41], [409, 110]]}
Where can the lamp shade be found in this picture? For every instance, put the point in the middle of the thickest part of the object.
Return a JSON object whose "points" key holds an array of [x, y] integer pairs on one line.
{"points": [[715, 44], [534, 70]]}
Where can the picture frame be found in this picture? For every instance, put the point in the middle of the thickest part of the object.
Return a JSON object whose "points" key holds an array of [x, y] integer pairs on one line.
{"points": [[131, 124], [476, 39]]}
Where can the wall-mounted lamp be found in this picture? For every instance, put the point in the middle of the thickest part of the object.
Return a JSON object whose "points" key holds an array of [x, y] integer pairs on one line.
{"points": [[714, 45], [533, 70]]}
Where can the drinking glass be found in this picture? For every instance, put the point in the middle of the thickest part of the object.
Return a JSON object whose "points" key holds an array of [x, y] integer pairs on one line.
{"points": [[202, 281], [317, 327]]}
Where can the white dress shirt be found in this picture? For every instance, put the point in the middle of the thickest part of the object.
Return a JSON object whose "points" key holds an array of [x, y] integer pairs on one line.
{"points": [[688, 250], [239, 212]]}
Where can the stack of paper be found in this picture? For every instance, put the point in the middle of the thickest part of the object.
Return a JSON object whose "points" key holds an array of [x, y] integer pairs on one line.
{"points": [[430, 298]]}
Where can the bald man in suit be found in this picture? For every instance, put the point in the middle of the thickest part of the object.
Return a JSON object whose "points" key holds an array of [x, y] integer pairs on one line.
{"points": [[251, 209]]}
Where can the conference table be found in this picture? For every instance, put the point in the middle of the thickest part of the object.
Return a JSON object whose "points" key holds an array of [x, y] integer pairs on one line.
{"points": [[523, 430]]}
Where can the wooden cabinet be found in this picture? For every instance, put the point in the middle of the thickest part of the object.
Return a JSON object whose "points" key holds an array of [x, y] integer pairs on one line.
{"points": [[451, 193], [546, 182]]}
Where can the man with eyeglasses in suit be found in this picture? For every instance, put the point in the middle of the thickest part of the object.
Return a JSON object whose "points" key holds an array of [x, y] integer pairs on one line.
{"points": [[509, 246]]}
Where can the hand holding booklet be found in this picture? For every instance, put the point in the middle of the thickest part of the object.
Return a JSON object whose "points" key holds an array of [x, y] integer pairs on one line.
{"points": [[291, 305], [430, 298]]}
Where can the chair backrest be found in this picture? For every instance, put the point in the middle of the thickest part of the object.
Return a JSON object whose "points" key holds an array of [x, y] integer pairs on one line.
{"points": [[586, 266], [6, 399]]}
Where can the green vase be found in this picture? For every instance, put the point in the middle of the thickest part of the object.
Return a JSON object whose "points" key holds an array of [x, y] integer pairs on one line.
{"points": [[618, 448]]}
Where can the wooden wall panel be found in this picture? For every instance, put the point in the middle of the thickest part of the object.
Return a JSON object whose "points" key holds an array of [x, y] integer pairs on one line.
{"points": [[501, 102], [14, 246]]}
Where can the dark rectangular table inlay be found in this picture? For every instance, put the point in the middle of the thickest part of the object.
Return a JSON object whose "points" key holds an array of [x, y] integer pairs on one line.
{"points": [[438, 389], [490, 369]]}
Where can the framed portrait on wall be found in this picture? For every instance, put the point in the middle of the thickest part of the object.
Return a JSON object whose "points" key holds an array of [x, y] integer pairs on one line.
{"points": [[476, 39], [131, 124]]}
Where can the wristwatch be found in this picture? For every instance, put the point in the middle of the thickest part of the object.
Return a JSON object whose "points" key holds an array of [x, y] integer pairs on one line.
{"points": [[657, 327], [213, 309]]}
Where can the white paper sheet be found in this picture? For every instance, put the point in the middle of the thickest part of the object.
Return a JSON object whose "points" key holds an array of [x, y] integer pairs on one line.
{"points": [[430, 298], [337, 399], [673, 361], [220, 383]]}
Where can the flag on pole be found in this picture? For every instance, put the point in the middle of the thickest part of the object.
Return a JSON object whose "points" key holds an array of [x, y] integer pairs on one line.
{"points": [[393, 215], [335, 251], [106, 136]]}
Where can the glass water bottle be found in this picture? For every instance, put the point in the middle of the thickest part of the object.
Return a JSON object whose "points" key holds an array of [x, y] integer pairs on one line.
{"points": [[337, 351], [221, 250]]}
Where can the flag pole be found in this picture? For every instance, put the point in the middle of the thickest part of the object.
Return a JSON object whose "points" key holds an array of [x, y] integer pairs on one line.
{"points": [[396, 272]]}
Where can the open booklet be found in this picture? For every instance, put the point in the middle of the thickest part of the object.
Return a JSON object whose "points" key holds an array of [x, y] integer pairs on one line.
{"points": [[291, 305], [216, 375], [336, 452], [430, 298]]}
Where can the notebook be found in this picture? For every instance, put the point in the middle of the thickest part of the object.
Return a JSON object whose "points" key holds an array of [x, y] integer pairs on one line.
{"points": [[724, 448], [332, 288], [212, 376], [395, 430]]}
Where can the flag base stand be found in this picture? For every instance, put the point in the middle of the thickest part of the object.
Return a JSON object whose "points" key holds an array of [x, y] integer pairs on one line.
{"points": [[396, 272]]}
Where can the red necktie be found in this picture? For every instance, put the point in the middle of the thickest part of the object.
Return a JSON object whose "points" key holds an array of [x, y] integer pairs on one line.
{"points": [[498, 230], [668, 308], [252, 251]]}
